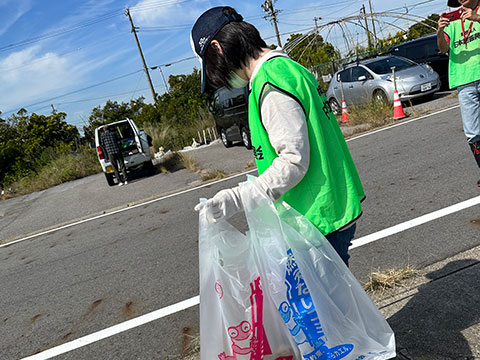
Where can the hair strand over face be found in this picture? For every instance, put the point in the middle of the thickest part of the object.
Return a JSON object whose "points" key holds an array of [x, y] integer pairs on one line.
{"points": [[240, 42]]}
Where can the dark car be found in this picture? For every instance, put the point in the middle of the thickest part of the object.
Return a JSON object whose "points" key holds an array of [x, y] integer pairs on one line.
{"points": [[425, 50], [230, 110]]}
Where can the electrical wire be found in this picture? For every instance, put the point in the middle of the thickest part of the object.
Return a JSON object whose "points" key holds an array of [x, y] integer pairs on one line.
{"points": [[76, 91]]}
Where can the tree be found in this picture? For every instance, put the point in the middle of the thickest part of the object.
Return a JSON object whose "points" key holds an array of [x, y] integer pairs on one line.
{"points": [[421, 29], [25, 138], [112, 111]]}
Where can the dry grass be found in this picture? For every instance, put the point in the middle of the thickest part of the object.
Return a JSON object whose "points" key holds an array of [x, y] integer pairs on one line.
{"points": [[171, 135], [250, 164], [388, 280], [191, 351], [189, 162], [213, 175], [374, 113]]}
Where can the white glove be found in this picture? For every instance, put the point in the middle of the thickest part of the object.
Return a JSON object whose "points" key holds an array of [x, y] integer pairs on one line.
{"points": [[223, 205]]}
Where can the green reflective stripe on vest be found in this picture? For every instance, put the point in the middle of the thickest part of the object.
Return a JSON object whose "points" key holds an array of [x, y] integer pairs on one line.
{"points": [[330, 193]]}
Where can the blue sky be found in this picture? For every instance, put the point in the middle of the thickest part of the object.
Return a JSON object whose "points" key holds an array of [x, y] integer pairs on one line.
{"points": [[78, 54]]}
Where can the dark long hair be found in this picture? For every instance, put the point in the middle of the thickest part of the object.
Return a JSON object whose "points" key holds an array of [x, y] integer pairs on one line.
{"points": [[240, 41]]}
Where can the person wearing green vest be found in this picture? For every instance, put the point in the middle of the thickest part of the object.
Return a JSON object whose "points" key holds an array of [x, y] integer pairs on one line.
{"points": [[301, 154], [461, 39]]}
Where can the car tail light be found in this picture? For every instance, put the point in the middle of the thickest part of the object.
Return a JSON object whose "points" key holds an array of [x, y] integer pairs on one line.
{"points": [[100, 153]]}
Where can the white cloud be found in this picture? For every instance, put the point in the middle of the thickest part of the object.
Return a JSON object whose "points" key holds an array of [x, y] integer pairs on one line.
{"points": [[172, 12], [11, 11], [32, 76]]}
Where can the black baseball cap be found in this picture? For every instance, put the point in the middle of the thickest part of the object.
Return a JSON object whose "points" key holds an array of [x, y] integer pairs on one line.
{"points": [[205, 29], [453, 3]]}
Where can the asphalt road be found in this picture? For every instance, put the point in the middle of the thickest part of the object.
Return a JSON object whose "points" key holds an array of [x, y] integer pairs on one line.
{"points": [[75, 281]]}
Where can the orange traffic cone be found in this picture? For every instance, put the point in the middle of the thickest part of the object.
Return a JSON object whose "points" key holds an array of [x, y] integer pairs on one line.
{"points": [[397, 107], [344, 111]]}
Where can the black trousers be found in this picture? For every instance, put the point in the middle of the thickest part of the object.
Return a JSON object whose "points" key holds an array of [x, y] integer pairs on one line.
{"points": [[118, 166]]}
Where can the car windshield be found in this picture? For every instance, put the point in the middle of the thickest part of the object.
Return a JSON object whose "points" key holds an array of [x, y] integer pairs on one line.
{"points": [[382, 67]]}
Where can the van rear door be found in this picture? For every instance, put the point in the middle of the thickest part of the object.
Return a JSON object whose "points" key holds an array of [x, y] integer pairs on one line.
{"points": [[136, 133]]}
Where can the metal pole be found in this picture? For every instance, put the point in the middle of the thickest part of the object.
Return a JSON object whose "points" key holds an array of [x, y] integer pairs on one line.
{"points": [[163, 77], [373, 24], [394, 80], [134, 31], [366, 26], [268, 7]]}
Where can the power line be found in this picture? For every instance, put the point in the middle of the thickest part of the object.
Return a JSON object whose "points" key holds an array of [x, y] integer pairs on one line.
{"points": [[76, 91], [60, 31]]}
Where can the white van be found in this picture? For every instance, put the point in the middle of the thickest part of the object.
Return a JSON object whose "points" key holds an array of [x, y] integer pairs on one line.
{"points": [[135, 145]]}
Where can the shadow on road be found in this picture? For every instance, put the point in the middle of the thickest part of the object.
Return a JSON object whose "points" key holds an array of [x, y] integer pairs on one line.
{"points": [[431, 325]]}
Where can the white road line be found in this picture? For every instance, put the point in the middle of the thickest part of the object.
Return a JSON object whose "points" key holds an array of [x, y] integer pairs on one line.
{"points": [[116, 329], [415, 222], [202, 186], [122, 210], [169, 310]]}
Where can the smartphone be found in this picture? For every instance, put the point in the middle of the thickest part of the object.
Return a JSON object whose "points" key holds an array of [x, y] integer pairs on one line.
{"points": [[453, 15]]}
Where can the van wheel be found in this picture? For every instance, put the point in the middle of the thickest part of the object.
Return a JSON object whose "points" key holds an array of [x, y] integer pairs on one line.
{"points": [[334, 106], [246, 138], [227, 143], [109, 178]]}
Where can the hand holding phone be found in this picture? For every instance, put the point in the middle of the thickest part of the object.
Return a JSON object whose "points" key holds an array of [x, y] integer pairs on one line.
{"points": [[453, 15]]}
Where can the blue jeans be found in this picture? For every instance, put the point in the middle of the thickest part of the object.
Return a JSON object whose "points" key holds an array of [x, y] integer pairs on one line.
{"points": [[469, 99], [341, 240]]}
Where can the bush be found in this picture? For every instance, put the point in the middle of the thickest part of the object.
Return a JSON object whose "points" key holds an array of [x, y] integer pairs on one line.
{"points": [[59, 167], [172, 136]]}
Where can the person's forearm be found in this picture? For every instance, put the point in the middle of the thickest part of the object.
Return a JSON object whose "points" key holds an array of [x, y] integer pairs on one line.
{"points": [[443, 45]]}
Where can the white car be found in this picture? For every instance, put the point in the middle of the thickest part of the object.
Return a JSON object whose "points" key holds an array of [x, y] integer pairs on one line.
{"points": [[134, 143]]}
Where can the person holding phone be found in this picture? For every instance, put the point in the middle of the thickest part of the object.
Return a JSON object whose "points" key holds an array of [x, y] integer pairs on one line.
{"points": [[458, 35]]}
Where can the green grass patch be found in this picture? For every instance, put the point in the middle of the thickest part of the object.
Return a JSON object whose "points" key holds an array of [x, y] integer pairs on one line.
{"points": [[61, 168]]}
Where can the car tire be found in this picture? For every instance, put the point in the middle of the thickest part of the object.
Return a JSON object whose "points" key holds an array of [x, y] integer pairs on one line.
{"points": [[246, 138], [227, 143], [335, 106], [149, 168], [380, 97], [109, 178]]}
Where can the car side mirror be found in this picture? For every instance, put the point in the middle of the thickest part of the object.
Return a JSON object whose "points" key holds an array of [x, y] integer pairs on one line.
{"points": [[362, 78]]}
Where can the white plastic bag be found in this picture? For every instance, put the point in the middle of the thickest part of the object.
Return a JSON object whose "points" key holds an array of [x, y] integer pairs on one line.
{"points": [[281, 292], [237, 317], [324, 306]]}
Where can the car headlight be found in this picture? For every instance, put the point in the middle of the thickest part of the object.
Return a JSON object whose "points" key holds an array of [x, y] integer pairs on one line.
{"points": [[429, 68]]}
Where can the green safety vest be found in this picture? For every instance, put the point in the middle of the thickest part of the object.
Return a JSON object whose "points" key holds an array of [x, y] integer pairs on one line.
{"points": [[463, 62], [330, 193]]}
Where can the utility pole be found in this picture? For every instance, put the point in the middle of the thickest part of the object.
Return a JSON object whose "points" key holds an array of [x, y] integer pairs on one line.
{"points": [[53, 109], [373, 25], [267, 7], [362, 10], [315, 19], [134, 31]]}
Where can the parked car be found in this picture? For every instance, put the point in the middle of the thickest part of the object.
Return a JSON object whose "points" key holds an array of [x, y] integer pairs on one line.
{"points": [[372, 79], [424, 50], [230, 111], [134, 143]]}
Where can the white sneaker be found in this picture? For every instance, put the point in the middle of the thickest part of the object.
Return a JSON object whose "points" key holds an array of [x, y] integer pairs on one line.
{"points": [[125, 183], [120, 184]]}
